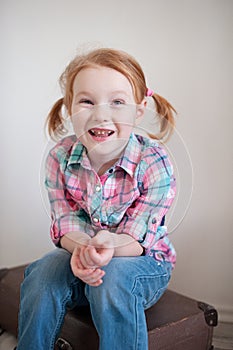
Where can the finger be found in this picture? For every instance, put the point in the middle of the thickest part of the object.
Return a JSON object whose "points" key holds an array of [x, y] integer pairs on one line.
{"points": [[75, 255], [94, 255], [95, 284], [95, 278], [85, 260], [77, 266], [82, 257], [75, 258], [75, 261], [92, 274], [88, 257], [103, 256]]}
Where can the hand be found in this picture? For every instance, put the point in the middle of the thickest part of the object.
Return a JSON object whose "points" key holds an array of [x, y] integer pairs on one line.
{"points": [[92, 275], [105, 239], [121, 244], [86, 260], [93, 257]]}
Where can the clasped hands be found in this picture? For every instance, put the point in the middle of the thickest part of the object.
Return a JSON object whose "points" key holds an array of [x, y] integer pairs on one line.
{"points": [[87, 259]]}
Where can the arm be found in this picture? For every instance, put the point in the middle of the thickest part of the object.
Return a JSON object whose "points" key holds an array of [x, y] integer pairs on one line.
{"points": [[66, 214], [88, 272], [80, 240], [90, 254], [143, 218], [133, 248], [123, 244]]}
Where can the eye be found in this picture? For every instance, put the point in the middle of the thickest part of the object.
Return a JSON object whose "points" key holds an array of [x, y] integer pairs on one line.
{"points": [[118, 102], [85, 101]]}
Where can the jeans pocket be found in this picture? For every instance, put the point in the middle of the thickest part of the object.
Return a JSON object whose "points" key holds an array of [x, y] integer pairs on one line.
{"points": [[152, 286]]}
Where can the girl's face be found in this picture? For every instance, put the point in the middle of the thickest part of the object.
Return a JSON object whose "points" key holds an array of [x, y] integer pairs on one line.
{"points": [[104, 113]]}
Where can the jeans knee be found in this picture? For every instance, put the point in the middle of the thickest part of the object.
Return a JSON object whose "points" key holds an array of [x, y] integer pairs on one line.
{"points": [[49, 272], [116, 284], [132, 277]]}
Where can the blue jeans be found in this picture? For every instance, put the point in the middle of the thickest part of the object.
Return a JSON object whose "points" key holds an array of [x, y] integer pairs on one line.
{"points": [[131, 285]]}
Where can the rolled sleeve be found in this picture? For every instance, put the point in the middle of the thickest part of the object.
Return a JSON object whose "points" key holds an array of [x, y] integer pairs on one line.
{"points": [[158, 187], [66, 215]]}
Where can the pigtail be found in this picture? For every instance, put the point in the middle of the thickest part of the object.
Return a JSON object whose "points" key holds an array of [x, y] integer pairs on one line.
{"points": [[165, 112], [55, 120]]}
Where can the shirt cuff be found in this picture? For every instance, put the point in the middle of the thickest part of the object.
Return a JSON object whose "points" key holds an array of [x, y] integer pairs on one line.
{"points": [[70, 223]]}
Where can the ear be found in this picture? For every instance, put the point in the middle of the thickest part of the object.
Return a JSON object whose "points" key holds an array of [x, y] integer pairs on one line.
{"points": [[140, 111]]}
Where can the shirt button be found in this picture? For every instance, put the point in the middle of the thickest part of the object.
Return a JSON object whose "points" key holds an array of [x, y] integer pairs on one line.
{"points": [[96, 219], [98, 188]]}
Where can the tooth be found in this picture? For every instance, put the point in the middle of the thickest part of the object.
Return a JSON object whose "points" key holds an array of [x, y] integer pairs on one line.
{"points": [[101, 132]]}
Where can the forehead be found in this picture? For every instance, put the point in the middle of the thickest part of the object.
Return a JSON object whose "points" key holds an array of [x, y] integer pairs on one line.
{"points": [[101, 78]]}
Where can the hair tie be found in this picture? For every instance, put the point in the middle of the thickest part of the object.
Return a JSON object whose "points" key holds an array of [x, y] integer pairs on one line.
{"points": [[149, 92]]}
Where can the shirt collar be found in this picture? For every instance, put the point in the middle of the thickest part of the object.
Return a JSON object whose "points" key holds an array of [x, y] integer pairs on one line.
{"points": [[78, 155], [131, 156], [128, 161]]}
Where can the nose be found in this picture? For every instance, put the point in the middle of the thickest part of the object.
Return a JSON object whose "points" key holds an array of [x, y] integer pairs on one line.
{"points": [[102, 112]]}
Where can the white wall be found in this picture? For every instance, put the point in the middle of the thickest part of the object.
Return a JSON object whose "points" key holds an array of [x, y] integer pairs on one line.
{"points": [[186, 50]]}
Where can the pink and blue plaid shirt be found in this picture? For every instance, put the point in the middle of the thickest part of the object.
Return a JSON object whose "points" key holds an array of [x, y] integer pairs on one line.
{"points": [[132, 197]]}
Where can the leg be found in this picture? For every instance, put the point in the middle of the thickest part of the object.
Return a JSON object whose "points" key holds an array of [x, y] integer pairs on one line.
{"points": [[48, 289], [131, 285]]}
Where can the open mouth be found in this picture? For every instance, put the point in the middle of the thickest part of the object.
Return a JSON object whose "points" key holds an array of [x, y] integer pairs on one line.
{"points": [[100, 133]]}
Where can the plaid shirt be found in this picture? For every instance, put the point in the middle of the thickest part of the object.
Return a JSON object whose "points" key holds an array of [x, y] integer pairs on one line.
{"points": [[131, 197]]}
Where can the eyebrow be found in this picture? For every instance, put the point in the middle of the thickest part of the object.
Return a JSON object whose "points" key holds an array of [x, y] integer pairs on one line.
{"points": [[120, 92], [82, 93], [90, 93]]}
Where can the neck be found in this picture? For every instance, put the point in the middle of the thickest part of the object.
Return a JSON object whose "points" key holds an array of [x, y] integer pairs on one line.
{"points": [[103, 168], [101, 163]]}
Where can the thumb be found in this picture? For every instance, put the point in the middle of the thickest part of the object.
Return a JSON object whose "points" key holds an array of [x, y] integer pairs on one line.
{"points": [[74, 261]]}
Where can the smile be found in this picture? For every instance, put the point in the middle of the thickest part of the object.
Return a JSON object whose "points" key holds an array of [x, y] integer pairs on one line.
{"points": [[100, 132]]}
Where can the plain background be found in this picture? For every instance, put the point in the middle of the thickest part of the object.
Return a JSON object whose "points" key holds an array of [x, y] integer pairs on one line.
{"points": [[186, 51]]}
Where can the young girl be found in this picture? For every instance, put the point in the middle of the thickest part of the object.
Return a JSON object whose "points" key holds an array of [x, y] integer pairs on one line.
{"points": [[109, 191]]}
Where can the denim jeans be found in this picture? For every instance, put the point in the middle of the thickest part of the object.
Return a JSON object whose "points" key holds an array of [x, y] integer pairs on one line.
{"points": [[131, 285]]}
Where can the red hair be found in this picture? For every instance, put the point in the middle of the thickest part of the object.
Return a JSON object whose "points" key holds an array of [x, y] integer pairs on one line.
{"points": [[126, 65]]}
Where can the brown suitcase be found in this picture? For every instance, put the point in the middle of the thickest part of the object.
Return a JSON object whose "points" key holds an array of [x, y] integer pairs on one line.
{"points": [[174, 323]]}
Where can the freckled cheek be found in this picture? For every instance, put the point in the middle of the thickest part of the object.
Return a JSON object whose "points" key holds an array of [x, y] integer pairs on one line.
{"points": [[125, 131], [125, 125], [79, 126], [80, 118]]}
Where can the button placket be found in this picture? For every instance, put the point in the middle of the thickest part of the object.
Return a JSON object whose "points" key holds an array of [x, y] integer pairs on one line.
{"points": [[96, 204]]}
